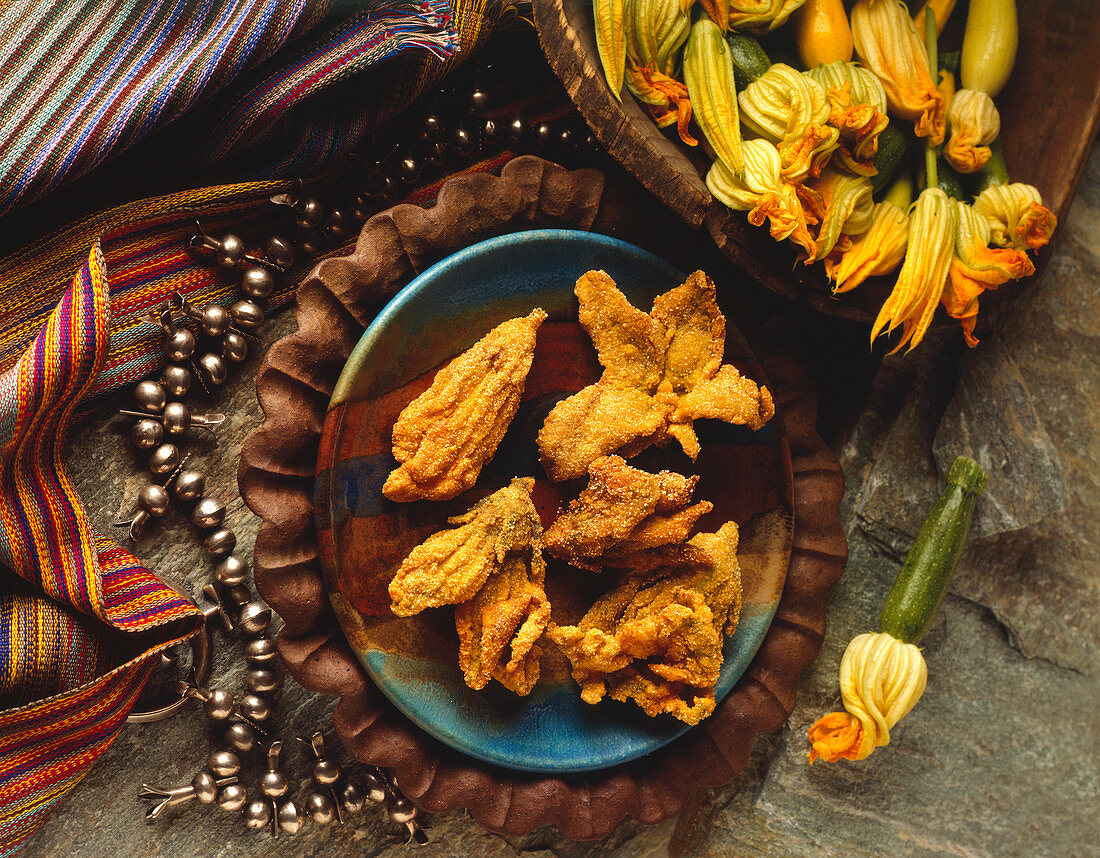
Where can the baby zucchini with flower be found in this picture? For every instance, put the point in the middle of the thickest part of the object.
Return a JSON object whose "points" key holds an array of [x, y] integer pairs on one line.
{"points": [[708, 73], [882, 675]]}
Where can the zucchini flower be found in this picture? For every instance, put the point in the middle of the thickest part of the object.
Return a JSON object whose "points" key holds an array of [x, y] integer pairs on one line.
{"points": [[857, 105], [974, 123], [655, 32], [1017, 216], [889, 46], [923, 275], [879, 250], [791, 110], [666, 99], [761, 16], [840, 203], [977, 267], [762, 192], [881, 679], [717, 10]]}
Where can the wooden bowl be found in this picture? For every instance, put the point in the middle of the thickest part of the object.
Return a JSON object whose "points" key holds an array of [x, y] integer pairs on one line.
{"points": [[1049, 117]]}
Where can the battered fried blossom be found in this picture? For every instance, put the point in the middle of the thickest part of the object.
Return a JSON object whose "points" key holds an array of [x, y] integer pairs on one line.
{"points": [[445, 436], [662, 371], [623, 511], [656, 638], [490, 566]]}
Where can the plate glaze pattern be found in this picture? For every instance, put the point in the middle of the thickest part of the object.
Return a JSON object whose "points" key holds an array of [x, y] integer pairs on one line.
{"points": [[363, 537], [335, 304]]}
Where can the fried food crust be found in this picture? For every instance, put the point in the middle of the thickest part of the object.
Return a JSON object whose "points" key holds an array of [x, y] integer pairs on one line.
{"points": [[445, 436], [491, 567], [662, 371], [623, 510], [656, 638]]}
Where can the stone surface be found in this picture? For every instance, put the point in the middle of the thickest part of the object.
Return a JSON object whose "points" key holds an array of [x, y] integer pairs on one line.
{"points": [[997, 760]]}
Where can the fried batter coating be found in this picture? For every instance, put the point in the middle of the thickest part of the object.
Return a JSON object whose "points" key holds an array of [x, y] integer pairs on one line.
{"points": [[622, 510], [662, 370], [491, 567], [445, 436], [656, 638], [498, 630], [451, 566]]}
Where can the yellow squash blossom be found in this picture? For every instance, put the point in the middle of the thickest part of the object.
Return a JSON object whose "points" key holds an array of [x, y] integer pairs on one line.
{"points": [[877, 251], [974, 123], [761, 16], [665, 98], [655, 31], [1017, 216], [977, 267], [923, 275], [762, 192], [718, 11], [889, 46], [791, 110], [881, 679], [857, 109], [841, 204]]}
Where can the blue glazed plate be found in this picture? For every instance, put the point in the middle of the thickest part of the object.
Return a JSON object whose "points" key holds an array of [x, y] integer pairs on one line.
{"points": [[363, 537]]}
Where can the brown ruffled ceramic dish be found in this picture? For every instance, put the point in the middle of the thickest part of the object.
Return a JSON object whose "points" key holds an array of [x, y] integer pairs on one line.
{"points": [[276, 476]]}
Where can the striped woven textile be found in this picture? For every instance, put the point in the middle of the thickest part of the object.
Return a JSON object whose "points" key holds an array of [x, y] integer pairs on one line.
{"points": [[70, 665], [83, 80]]}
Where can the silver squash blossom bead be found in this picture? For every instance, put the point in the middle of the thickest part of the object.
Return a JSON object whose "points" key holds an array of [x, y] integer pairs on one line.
{"points": [[220, 542], [255, 618], [213, 368], [205, 786], [262, 681], [320, 808], [351, 797], [151, 397], [229, 252], [247, 315], [208, 513], [231, 571], [257, 815], [279, 252], [176, 379], [154, 500], [240, 736], [165, 459], [257, 282], [178, 344], [215, 320], [273, 783], [260, 652], [234, 347], [188, 485], [254, 708], [177, 418], [290, 819], [146, 434], [309, 213], [224, 763], [402, 810], [232, 797]]}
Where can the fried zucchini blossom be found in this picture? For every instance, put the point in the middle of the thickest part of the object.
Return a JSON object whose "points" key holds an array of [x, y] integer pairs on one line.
{"points": [[791, 110], [762, 192], [974, 123], [1017, 216], [890, 46]]}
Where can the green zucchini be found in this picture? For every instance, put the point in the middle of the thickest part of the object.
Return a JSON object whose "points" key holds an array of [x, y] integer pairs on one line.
{"points": [[893, 143], [749, 59], [922, 582], [948, 180], [994, 172]]}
